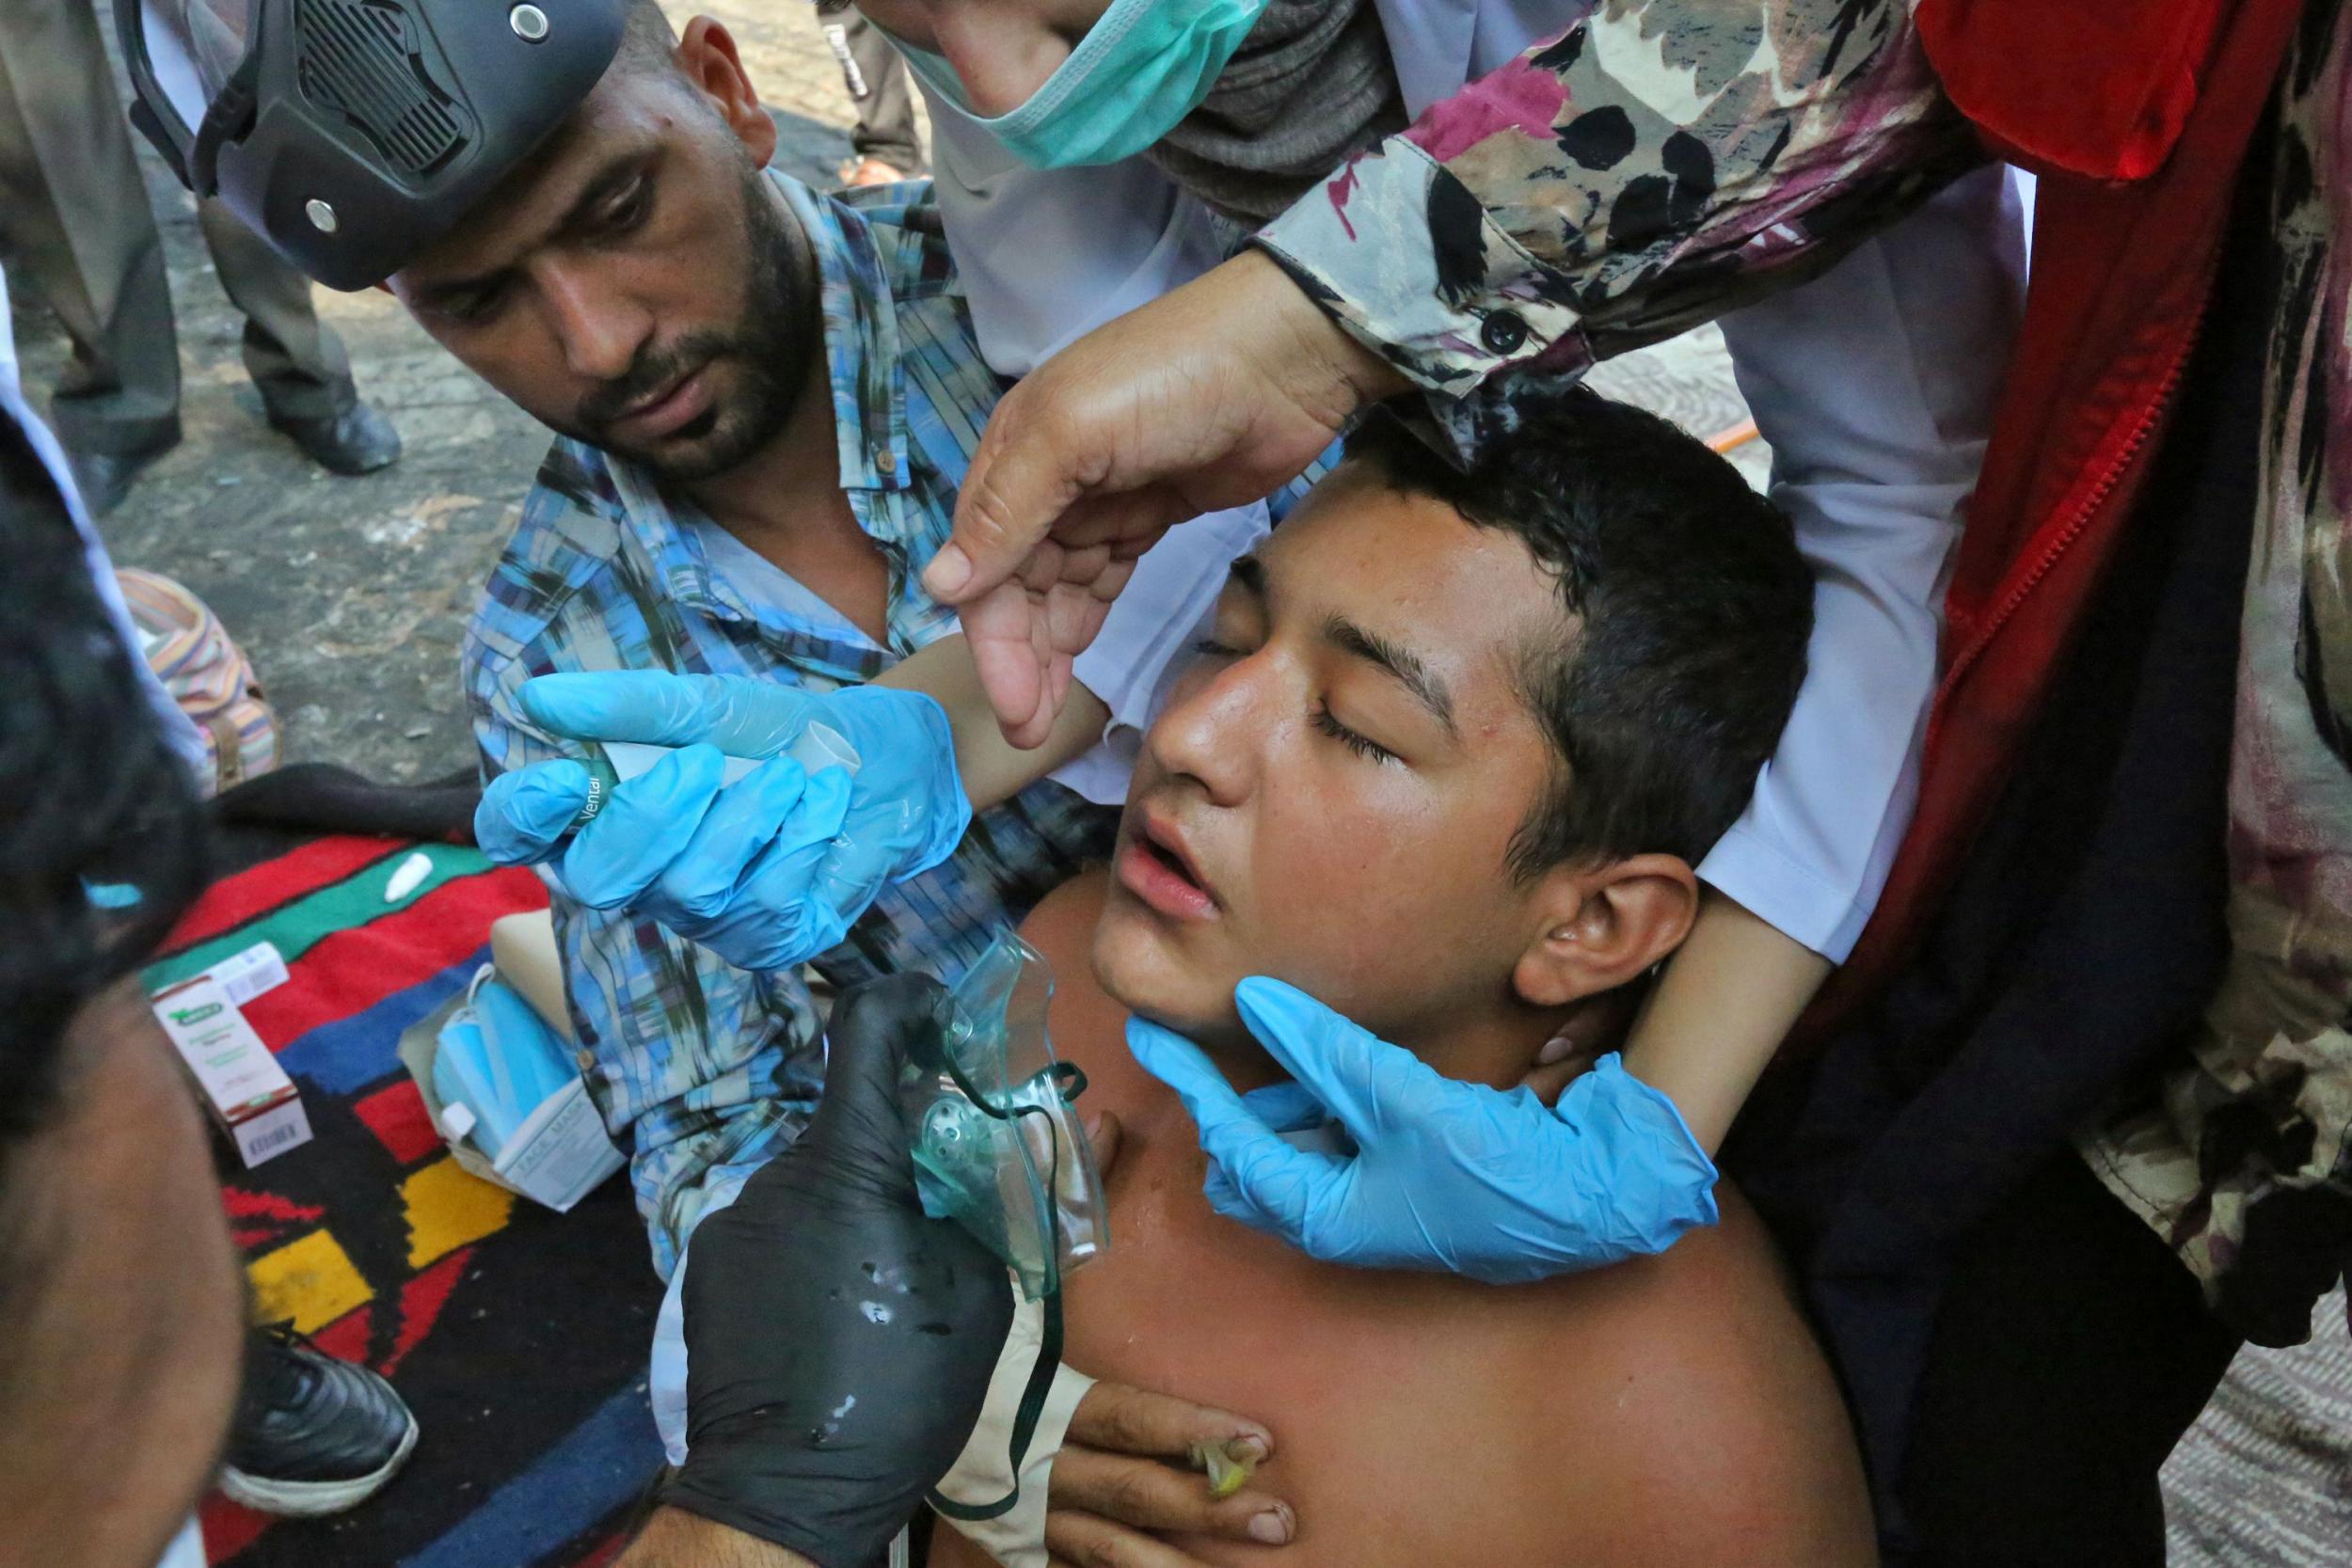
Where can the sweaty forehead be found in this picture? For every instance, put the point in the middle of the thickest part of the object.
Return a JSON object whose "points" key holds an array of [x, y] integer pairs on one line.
{"points": [[1470, 602]]}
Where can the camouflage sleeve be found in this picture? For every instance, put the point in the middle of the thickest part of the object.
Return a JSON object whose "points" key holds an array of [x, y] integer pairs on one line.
{"points": [[1656, 164]]}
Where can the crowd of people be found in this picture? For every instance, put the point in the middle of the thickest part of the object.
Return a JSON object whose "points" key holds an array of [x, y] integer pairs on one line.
{"points": [[1623, 1019]]}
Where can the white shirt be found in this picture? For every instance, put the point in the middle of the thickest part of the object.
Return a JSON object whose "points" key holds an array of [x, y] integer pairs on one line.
{"points": [[1874, 384], [178, 727]]}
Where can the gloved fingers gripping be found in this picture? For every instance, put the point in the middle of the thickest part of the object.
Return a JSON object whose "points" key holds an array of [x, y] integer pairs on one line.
{"points": [[867, 1044], [523, 814], [1632, 1130], [781, 915], [1286, 1107], [776, 923], [641, 831], [1239, 1207], [778, 917], [1368, 1084], [851, 877], [1184, 1068], [742, 715], [700, 885], [1278, 1184]]}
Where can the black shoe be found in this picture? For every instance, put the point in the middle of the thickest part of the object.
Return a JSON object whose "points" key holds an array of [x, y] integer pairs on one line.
{"points": [[359, 440], [104, 477], [313, 1434]]}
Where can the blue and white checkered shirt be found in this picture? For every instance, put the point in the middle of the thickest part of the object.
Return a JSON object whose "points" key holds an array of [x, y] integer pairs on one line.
{"points": [[702, 1071]]}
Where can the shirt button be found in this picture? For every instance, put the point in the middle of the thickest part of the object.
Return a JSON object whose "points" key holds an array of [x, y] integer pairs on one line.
{"points": [[885, 462], [587, 1060], [1503, 331]]}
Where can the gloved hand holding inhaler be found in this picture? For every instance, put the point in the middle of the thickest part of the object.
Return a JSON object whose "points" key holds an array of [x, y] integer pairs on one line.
{"points": [[767, 866]]}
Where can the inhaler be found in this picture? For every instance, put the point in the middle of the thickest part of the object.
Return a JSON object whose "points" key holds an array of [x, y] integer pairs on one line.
{"points": [[987, 1107], [612, 763]]}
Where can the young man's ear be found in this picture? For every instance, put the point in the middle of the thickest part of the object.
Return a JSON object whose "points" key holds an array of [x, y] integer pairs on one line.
{"points": [[1598, 926], [707, 53]]}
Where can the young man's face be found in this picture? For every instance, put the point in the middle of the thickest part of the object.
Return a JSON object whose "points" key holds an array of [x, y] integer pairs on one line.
{"points": [[1331, 795], [637, 285]]}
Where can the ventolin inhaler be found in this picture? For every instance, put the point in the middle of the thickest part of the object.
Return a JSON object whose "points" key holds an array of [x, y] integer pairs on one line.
{"points": [[996, 1147], [612, 763]]}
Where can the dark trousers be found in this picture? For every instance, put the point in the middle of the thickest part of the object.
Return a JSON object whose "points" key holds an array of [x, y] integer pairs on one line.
{"points": [[876, 80], [2069, 1354], [75, 224]]}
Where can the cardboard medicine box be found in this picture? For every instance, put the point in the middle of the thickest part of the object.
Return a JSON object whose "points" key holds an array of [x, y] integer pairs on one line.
{"points": [[558, 1155], [249, 1095]]}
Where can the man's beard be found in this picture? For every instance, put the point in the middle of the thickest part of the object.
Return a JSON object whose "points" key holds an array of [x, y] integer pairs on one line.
{"points": [[768, 346]]}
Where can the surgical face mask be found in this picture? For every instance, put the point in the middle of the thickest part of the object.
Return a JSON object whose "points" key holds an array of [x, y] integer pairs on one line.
{"points": [[1140, 70]]}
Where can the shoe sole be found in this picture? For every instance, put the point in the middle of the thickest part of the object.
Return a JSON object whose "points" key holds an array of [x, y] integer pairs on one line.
{"points": [[309, 1499]]}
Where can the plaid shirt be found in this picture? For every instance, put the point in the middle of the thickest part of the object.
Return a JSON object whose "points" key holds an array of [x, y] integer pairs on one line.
{"points": [[704, 1071]]}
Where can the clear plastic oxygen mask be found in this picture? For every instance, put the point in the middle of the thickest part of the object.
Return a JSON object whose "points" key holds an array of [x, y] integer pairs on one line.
{"points": [[988, 1113]]}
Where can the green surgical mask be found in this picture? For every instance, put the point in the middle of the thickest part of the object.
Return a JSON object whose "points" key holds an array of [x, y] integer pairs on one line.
{"points": [[1141, 69]]}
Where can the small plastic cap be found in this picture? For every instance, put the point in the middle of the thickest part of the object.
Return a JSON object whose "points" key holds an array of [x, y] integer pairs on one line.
{"points": [[457, 1120]]}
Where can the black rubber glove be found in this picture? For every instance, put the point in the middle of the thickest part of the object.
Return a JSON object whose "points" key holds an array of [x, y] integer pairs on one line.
{"points": [[839, 1344]]}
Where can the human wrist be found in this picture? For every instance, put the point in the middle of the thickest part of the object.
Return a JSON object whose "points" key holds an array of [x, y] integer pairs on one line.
{"points": [[1322, 365], [675, 1537]]}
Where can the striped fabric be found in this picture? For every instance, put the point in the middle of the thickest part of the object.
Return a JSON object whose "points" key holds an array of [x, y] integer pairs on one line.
{"points": [[206, 673], [702, 1071], [513, 1332]]}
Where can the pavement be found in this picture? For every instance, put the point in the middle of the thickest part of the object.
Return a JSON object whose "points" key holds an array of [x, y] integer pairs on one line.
{"points": [[351, 596]]}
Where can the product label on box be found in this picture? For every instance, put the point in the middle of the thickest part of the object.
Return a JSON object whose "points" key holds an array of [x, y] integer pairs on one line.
{"points": [[248, 1092], [271, 1132], [561, 1154], [245, 975]]}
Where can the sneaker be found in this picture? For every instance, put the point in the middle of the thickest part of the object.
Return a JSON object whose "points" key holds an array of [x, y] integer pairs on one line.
{"points": [[313, 1434]]}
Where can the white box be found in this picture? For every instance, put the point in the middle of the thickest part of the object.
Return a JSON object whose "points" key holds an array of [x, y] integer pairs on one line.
{"points": [[248, 1094], [557, 1157]]}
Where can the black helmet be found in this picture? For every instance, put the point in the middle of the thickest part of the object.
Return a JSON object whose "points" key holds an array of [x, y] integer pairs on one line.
{"points": [[351, 134]]}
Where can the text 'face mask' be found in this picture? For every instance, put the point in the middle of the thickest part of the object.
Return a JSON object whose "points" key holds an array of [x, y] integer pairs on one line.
{"points": [[1138, 73]]}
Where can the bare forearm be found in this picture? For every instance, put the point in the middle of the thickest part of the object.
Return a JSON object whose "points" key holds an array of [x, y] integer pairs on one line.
{"points": [[1726, 1001], [993, 768], [674, 1538]]}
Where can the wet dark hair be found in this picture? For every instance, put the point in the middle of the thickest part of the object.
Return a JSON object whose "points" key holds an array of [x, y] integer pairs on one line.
{"points": [[1690, 605], [94, 795]]}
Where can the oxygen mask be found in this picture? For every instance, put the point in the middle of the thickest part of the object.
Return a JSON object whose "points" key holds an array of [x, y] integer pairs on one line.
{"points": [[988, 1113]]}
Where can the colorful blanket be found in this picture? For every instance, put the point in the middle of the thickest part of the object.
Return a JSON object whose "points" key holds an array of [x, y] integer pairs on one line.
{"points": [[518, 1336]]}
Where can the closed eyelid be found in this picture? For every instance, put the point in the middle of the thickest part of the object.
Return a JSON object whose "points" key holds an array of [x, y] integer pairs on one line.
{"points": [[1398, 662]]}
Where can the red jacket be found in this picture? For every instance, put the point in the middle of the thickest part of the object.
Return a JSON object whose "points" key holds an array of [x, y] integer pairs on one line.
{"points": [[2135, 114]]}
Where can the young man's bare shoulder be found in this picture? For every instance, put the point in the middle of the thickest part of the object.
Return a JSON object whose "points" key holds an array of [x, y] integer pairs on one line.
{"points": [[1675, 1409]]}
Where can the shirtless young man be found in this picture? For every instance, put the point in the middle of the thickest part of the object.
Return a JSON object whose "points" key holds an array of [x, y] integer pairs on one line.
{"points": [[1445, 764]]}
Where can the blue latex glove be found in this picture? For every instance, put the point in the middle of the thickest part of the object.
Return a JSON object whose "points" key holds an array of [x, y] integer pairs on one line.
{"points": [[1446, 1175], [768, 872]]}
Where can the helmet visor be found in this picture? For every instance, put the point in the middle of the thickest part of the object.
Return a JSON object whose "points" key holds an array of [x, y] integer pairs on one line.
{"points": [[190, 49]]}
